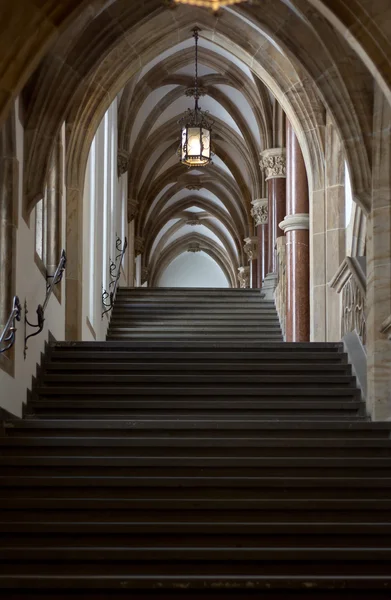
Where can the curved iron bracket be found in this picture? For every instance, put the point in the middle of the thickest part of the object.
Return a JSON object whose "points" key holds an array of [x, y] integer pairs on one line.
{"points": [[38, 326], [8, 336]]}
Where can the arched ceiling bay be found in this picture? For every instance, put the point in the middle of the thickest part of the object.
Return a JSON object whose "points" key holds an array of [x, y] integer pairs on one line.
{"points": [[144, 52], [151, 106]]}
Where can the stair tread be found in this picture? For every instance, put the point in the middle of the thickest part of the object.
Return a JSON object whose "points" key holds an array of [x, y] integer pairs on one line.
{"points": [[195, 449]]}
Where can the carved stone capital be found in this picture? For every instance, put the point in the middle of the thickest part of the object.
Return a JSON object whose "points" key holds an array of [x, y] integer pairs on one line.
{"points": [[295, 222], [144, 275], [123, 157], [251, 247], [139, 245], [273, 163], [194, 247], [260, 211], [132, 209], [244, 277]]}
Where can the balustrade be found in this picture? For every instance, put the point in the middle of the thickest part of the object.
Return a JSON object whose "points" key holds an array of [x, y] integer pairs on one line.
{"points": [[350, 281]]}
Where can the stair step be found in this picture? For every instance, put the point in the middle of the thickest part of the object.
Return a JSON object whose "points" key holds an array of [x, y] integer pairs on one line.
{"points": [[136, 357], [217, 367], [267, 347], [203, 585], [195, 450], [215, 379], [181, 406]]}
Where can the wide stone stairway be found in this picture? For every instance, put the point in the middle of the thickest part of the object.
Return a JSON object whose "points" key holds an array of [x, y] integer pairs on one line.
{"points": [[194, 454]]}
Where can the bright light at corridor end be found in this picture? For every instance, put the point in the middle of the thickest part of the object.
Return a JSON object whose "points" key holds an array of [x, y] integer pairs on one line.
{"points": [[212, 4]]}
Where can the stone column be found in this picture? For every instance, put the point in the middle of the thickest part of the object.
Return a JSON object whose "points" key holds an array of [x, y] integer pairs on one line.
{"points": [[251, 249], [273, 162], [296, 227], [244, 277]]}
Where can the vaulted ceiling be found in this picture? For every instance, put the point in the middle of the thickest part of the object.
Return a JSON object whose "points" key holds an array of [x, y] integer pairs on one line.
{"points": [[313, 56], [176, 203]]}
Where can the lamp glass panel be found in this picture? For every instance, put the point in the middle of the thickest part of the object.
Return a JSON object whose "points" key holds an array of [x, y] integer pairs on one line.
{"points": [[206, 143], [194, 141]]}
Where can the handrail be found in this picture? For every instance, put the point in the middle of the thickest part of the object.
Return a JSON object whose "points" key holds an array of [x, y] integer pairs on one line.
{"points": [[114, 278], [55, 279], [8, 334]]}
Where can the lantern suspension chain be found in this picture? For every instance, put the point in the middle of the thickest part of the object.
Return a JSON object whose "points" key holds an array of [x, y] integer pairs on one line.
{"points": [[196, 92]]}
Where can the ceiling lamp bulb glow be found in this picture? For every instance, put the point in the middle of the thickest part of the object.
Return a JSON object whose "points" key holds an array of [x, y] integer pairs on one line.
{"points": [[212, 4], [195, 149]]}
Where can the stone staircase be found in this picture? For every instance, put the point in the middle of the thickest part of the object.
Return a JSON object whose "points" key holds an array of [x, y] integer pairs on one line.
{"points": [[194, 454]]}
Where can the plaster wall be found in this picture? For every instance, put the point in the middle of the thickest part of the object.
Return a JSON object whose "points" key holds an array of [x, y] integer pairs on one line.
{"points": [[30, 286], [193, 270], [104, 218]]}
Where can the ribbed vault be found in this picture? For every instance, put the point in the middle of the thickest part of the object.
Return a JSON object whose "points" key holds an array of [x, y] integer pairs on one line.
{"points": [[295, 53]]}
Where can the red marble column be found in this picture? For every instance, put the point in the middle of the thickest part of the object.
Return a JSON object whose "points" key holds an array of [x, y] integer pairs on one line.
{"points": [[273, 162], [296, 227]]}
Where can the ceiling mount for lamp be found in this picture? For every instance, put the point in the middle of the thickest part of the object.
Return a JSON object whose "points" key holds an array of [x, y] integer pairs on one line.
{"points": [[212, 4], [196, 138]]}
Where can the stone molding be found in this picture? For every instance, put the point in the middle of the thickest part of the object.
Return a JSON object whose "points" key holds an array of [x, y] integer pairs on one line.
{"points": [[139, 245], [260, 211], [123, 158], [133, 209], [273, 163], [295, 222], [244, 277], [351, 267], [251, 247], [386, 327]]}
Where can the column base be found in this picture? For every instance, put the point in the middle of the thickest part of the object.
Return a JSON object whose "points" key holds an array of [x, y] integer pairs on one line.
{"points": [[268, 286]]}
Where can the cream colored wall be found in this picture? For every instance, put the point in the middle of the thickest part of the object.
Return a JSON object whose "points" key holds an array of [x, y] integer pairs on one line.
{"points": [[99, 248], [31, 287]]}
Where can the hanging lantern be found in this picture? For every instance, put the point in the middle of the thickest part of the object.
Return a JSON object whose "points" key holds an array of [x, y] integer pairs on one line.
{"points": [[195, 150], [212, 4]]}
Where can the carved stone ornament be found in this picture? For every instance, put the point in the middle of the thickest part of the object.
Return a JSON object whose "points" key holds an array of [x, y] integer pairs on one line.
{"points": [[193, 221], [244, 277], [193, 186], [260, 211], [122, 161], [195, 247], [202, 91], [144, 275], [273, 163], [251, 247], [295, 222], [139, 245], [132, 209]]}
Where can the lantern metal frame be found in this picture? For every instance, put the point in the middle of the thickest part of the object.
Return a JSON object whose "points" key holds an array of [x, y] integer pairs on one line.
{"points": [[196, 126]]}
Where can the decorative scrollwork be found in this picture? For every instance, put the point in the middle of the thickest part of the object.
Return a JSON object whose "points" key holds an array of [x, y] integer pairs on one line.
{"points": [[353, 310], [108, 297], [51, 282], [7, 337]]}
